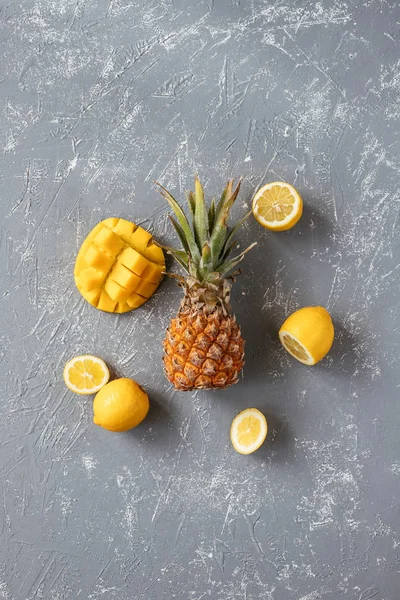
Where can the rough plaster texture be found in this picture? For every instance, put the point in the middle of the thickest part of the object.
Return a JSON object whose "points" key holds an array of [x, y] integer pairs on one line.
{"points": [[98, 99]]}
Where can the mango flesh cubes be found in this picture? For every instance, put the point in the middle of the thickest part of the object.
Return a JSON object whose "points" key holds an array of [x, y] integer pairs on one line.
{"points": [[118, 266]]}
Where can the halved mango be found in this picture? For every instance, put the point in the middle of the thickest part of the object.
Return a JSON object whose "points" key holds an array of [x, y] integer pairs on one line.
{"points": [[118, 266]]}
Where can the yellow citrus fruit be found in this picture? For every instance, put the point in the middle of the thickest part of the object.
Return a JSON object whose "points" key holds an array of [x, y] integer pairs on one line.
{"points": [[86, 374], [120, 405], [277, 206], [308, 334], [248, 431]]}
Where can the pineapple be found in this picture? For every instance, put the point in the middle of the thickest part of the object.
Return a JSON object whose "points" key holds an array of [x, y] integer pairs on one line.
{"points": [[203, 348]]}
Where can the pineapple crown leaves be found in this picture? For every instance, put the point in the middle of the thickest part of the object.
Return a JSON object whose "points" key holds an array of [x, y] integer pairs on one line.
{"points": [[207, 240]]}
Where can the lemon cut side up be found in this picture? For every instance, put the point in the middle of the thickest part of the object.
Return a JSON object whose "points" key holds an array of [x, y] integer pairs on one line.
{"points": [[277, 206], [308, 334], [248, 431], [86, 374]]}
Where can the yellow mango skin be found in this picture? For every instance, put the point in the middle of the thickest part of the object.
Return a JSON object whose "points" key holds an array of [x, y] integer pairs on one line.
{"points": [[118, 267]]}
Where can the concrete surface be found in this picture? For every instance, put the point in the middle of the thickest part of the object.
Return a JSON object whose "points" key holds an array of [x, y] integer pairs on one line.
{"points": [[101, 97]]}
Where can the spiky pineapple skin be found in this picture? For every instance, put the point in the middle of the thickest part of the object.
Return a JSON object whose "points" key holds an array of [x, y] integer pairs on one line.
{"points": [[203, 351]]}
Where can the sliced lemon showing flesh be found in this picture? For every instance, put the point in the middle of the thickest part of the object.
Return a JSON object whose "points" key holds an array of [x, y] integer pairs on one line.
{"points": [[277, 206], [86, 374], [248, 431], [308, 334]]}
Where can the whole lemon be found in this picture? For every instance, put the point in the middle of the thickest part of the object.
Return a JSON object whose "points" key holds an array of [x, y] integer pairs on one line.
{"points": [[120, 405]]}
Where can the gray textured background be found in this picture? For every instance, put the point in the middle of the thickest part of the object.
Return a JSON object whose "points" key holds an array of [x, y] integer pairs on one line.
{"points": [[98, 99]]}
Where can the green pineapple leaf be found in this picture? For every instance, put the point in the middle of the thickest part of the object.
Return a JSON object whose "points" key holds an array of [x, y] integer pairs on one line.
{"points": [[219, 234], [206, 264], [231, 199], [211, 216], [179, 255], [191, 202], [229, 242], [183, 223], [227, 251], [230, 264], [200, 220], [217, 241], [180, 233], [225, 194]]}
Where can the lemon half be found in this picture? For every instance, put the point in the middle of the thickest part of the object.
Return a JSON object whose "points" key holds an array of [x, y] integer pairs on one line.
{"points": [[248, 431], [308, 334], [86, 374], [277, 206]]}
